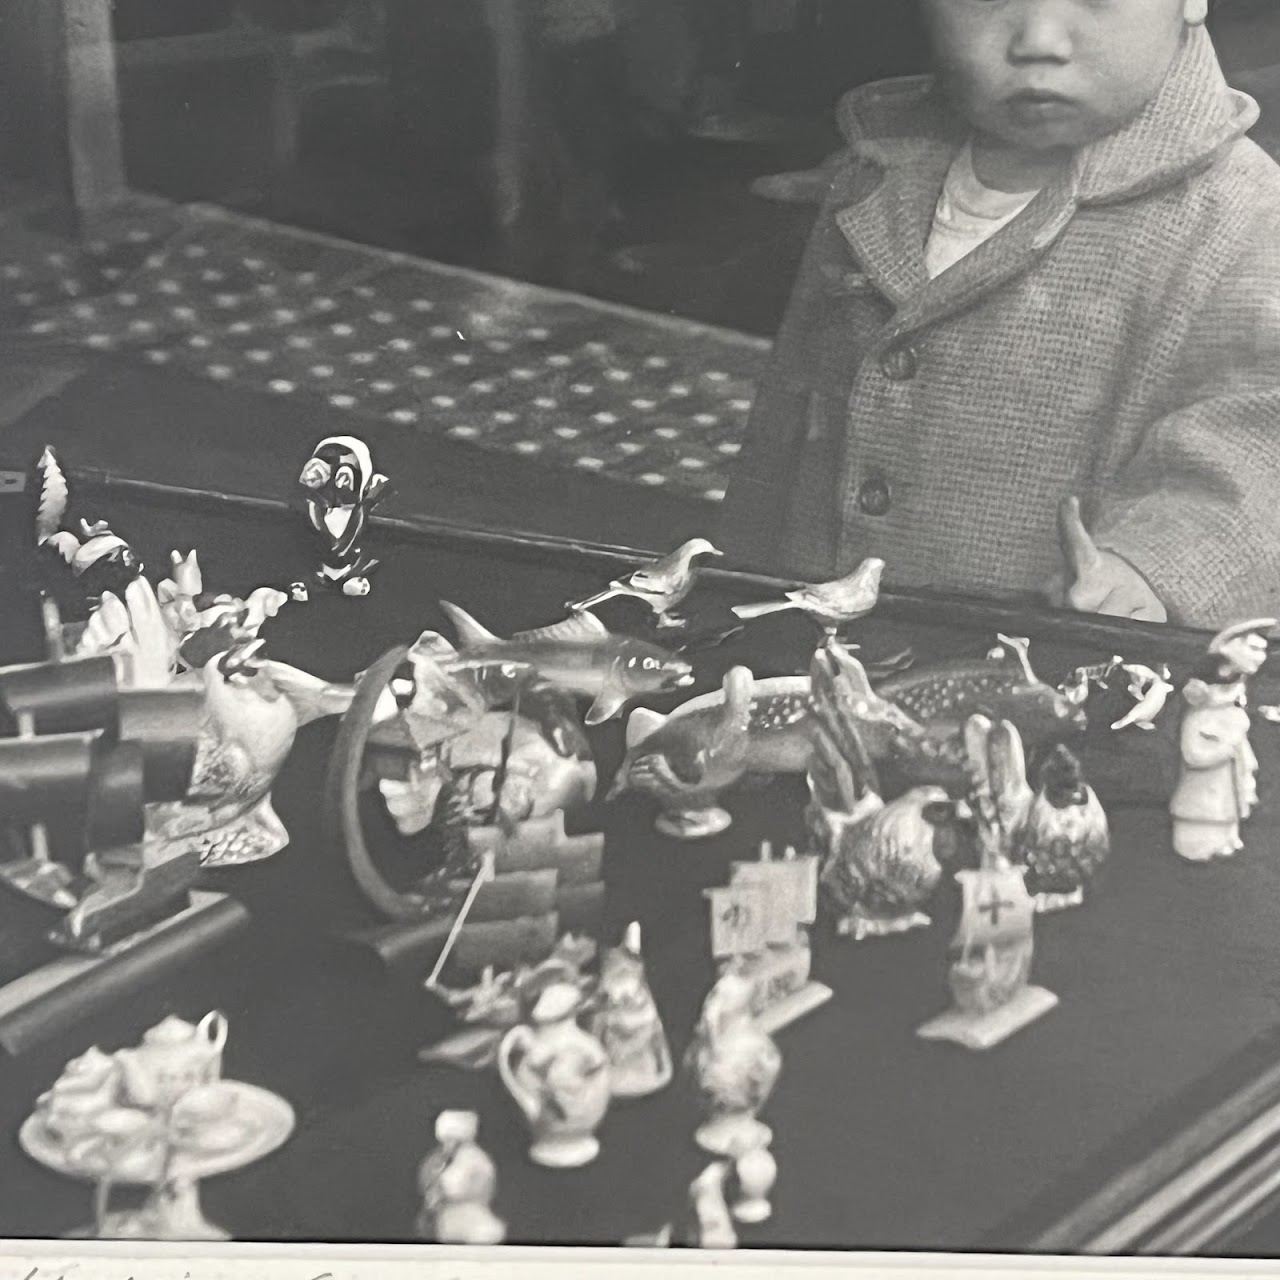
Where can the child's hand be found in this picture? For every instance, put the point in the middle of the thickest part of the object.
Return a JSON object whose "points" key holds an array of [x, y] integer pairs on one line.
{"points": [[1100, 581]]}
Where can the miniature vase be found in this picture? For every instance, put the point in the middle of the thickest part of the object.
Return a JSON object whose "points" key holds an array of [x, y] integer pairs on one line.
{"points": [[558, 1075], [756, 1171]]}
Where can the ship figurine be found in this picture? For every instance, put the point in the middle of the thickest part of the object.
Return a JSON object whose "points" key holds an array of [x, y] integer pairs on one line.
{"points": [[993, 946], [760, 931]]}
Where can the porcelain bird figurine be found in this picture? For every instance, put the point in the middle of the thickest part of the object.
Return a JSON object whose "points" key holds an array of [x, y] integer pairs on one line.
{"points": [[662, 584], [831, 605]]}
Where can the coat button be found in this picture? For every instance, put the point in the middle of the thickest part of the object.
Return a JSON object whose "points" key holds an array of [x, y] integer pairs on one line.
{"points": [[899, 363], [873, 497]]}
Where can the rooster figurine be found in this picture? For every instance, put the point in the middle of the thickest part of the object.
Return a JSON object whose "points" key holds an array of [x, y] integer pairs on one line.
{"points": [[734, 1064], [1065, 839], [831, 605], [662, 584], [687, 762]]}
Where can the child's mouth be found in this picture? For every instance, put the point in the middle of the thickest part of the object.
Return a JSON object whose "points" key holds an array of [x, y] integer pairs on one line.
{"points": [[1039, 105]]}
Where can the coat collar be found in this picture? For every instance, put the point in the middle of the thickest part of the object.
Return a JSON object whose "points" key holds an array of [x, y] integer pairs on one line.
{"points": [[906, 130]]}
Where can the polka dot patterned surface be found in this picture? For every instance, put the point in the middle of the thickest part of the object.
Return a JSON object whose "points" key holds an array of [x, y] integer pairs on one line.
{"points": [[500, 364]]}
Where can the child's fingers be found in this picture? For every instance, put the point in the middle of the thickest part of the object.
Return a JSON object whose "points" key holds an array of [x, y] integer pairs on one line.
{"points": [[1079, 549], [1090, 592]]}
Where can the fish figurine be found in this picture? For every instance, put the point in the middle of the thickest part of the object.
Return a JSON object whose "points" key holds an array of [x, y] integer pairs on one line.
{"points": [[831, 605], [253, 708], [580, 655], [662, 584], [626, 1021], [1065, 840], [686, 762], [1150, 691]]}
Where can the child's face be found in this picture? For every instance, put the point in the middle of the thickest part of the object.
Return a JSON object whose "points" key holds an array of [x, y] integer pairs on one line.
{"points": [[1046, 75]]}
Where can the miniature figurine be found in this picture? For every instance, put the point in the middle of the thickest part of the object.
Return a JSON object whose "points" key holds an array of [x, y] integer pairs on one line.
{"points": [[662, 585], [755, 1172], [831, 605], [710, 1223], [1217, 785], [1065, 839], [1006, 779], [558, 1075], [627, 1022], [1077, 686], [98, 559], [457, 1183], [759, 930], [580, 655], [734, 1064], [1150, 691], [993, 946], [686, 762], [174, 1057], [342, 488]]}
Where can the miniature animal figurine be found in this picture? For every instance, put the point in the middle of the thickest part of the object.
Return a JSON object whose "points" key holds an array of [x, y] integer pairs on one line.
{"points": [[662, 584], [1217, 783], [99, 559], [457, 1182], [253, 709], [579, 655], [627, 1022], [831, 605], [686, 762], [1150, 690], [1065, 839], [1078, 685], [734, 1066], [754, 1171], [135, 634], [558, 1075], [342, 488]]}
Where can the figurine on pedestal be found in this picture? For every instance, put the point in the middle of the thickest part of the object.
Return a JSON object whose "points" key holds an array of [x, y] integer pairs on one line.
{"points": [[457, 1182], [341, 488], [687, 761], [662, 585], [734, 1065], [1065, 840], [993, 946], [1217, 785], [558, 1075], [627, 1022], [831, 605]]}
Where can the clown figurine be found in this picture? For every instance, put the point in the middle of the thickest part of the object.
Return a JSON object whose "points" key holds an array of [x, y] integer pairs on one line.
{"points": [[1217, 786], [341, 489]]}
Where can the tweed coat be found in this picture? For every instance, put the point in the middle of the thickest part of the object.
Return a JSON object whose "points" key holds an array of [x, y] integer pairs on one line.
{"points": [[1119, 340]]}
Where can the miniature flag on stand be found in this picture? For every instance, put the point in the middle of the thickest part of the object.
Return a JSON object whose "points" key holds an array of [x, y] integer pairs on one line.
{"points": [[739, 915]]}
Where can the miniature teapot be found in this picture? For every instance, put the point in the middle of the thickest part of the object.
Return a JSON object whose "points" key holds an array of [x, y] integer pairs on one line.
{"points": [[558, 1075], [174, 1057]]}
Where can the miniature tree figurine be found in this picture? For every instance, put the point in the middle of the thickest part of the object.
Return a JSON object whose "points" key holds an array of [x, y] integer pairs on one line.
{"points": [[1217, 784], [457, 1182]]}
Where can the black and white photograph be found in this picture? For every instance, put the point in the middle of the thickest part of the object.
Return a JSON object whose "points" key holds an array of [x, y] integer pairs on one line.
{"points": [[640, 625]]}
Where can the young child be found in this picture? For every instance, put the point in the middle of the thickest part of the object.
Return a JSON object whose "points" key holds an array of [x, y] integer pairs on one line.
{"points": [[1050, 269]]}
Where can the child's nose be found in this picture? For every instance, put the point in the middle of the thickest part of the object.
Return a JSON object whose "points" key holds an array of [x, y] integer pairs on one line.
{"points": [[1041, 32]]}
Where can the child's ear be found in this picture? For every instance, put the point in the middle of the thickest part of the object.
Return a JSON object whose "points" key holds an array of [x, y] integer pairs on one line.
{"points": [[1195, 12]]}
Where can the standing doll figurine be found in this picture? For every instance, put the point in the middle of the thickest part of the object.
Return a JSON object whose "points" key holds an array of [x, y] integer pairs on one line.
{"points": [[342, 488], [1217, 784], [457, 1182], [628, 1024]]}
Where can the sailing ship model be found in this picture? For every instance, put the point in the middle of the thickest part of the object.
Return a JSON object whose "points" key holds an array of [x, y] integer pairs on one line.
{"points": [[992, 996], [760, 928]]}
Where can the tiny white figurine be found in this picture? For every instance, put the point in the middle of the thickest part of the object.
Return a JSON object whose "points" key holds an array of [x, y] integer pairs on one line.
{"points": [[831, 605], [734, 1065], [662, 584], [628, 1024], [755, 1172], [558, 1075], [993, 946], [1150, 691], [711, 1223], [1217, 784], [457, 1182]]}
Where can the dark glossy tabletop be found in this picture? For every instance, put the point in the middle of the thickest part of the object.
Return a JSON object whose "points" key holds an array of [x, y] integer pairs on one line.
{"points": [[1169, 983]]}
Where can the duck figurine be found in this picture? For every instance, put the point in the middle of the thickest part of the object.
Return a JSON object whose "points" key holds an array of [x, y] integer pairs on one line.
{"points": [[253, 708], [687, 762], [831, 605], [734, 1065], [661, 584], [1065, 840]]}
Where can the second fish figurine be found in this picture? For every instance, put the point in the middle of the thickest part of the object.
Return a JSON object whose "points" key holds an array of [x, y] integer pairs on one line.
{"points": [[558, 1075], [628, 1024]]}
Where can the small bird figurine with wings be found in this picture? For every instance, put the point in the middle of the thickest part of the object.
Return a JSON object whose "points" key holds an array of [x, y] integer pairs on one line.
{"points": [[831, 605], [1150, 691], [661, 584]]}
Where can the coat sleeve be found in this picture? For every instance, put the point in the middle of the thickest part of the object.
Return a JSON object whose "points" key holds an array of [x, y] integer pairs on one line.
{"points": [[1197, 509]]}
